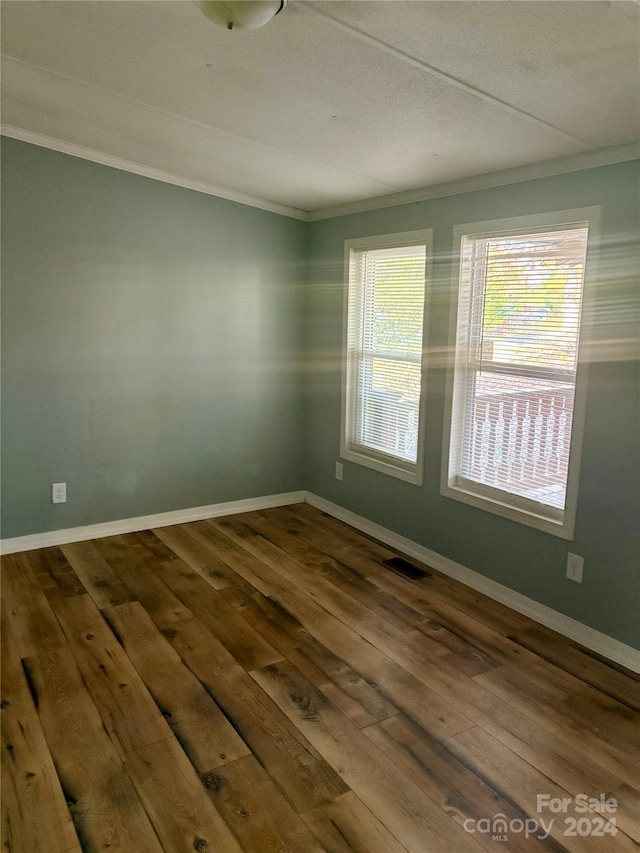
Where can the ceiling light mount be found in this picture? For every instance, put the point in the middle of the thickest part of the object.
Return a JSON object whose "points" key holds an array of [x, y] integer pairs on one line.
{"points": [[242, 14]]}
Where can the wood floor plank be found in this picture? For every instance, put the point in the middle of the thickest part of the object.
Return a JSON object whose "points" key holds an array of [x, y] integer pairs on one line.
{"points": [[299, 771], [523, 730], [465, 598], [201, 650], [198, 724], [100, 581], [345, 825], [472, 660], [250, 568], [480, 657], [424, 646], [123, 555], [400, 614], [622, 761], [29, 614], [176, 801], [239, 638], [566, 761], [472, 602], [439, 588], [332, 544], [342, 532], [411, 816], [477, 634], [479, 705], [128, 711], [606, 716], [343, 576], [625, 688], [427, 708], [346, 688], [273, 665], [296, 545], [350, 581], [367, 593], [256, 811], [35, 818], [104, 805], [346, 578], [201, 560], [590, 709], [377, 630], [507, 772], [53, 573], [151, 547], [331, 598], [464, 796]]}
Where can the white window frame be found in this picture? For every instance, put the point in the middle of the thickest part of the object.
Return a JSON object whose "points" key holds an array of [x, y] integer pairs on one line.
{"points": [[349, 449], [517, 509]]}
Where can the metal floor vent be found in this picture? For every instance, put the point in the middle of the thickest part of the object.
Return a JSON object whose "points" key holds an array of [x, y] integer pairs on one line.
{"points": [[403, 567]]}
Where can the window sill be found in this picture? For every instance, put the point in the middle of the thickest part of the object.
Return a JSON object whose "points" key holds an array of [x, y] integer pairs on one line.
{"points": [[563, 528], [387, 466]]}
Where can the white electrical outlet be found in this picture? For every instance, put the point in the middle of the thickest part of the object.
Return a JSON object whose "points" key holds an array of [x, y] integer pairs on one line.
{"points": [[59, 493], [339, 471], [575, 567]]}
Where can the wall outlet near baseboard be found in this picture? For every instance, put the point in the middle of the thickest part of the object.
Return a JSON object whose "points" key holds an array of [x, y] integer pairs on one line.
{"points": [[575, 567], [339, 470], [59, 493]]}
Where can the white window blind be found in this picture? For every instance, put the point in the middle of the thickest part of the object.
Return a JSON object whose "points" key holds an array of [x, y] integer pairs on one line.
{"points": [[386, 299], [519, 311]]}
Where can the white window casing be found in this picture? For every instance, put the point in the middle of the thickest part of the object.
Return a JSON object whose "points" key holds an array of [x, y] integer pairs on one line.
{"points": [[385, 319], [518, 366]]}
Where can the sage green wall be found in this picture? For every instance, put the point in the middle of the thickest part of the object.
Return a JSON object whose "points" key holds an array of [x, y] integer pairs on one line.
{"points": [[151, 339], [522, 558], [152, 360]]}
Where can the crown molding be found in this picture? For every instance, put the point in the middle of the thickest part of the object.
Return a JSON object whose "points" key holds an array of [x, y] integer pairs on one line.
{"points": [[546, 169], [94, 156]]}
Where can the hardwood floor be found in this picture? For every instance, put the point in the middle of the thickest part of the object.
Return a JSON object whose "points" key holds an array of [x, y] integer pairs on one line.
{"points": [[264, 683]]}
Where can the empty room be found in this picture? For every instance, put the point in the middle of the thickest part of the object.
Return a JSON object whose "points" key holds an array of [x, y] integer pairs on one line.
{"points": [[320, 517]]}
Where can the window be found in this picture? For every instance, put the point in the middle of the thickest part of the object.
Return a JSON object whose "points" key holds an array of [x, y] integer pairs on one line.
{"points": [[516, 408], [383, 376]]}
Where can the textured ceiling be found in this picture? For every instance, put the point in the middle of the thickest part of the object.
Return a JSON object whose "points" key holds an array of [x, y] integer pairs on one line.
{"points": [[331, 102]]}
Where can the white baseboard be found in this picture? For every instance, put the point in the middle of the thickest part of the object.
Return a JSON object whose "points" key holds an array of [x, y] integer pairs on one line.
{"points": [[590, 638], [144, 522], [598, 642]]}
